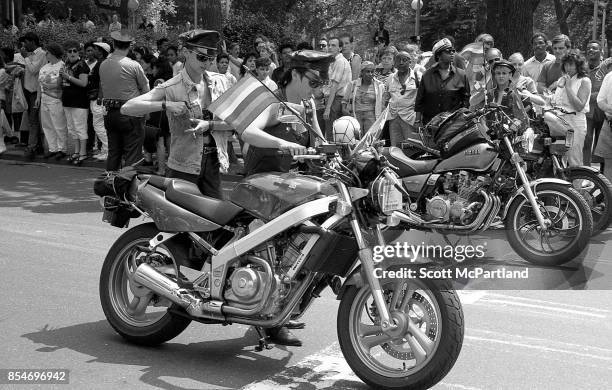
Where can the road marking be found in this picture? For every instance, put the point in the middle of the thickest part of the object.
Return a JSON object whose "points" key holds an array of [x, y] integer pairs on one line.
{"points": [[541, 345], [543, 306], [324, 370]]}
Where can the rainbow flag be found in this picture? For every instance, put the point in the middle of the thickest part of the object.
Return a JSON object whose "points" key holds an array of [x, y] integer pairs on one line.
{"points": [[240, 105]]}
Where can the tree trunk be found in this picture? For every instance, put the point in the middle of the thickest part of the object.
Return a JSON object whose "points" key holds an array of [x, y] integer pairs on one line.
{"points": [[211, 14], [511, 24], [561, 17]]}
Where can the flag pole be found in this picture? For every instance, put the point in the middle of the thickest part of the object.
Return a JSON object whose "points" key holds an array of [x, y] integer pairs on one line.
{"points": [[293, 111]]}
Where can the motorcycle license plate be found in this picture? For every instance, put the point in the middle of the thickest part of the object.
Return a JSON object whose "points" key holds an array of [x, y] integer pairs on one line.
{"points": [[391, 199]]}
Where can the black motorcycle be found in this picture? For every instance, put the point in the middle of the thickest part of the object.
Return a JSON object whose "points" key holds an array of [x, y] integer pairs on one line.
{"points": [[475, 179]]}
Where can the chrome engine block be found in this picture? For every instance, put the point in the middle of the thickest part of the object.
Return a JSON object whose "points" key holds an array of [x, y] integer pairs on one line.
{"points": [[457, 202]]}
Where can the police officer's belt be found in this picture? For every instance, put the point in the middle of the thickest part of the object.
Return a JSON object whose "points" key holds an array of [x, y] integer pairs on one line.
{"points": [[113, 103]]}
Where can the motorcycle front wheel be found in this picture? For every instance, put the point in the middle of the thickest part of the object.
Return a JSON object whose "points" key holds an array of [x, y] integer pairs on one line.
{"points": [[566, 237], [132, 310], [596, 189], [423, 348]]}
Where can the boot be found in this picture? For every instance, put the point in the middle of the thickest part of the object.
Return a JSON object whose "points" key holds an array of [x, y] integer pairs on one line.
{"points": [[282, 336], [293, 324]]}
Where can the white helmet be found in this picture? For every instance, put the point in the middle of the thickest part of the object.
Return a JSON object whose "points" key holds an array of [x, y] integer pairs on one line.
{"points": [[346, 130]]}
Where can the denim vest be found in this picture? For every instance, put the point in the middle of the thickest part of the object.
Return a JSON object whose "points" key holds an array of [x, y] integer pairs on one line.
{"points": [[185, 149]]}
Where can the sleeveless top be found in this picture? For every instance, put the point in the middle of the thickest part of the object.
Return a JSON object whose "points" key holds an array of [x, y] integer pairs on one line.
{"points": [[260, 160], [562, 100]]}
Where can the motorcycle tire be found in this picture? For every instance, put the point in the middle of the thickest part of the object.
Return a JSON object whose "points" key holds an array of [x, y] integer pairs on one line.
{"points": [[601, 219], [560, 257], [114, 298], [447, 344]]}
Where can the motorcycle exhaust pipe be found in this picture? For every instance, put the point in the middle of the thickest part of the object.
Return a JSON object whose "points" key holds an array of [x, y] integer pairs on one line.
{"points": [[162, 285]]}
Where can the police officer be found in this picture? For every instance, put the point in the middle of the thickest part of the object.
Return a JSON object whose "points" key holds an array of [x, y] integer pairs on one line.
{"points": [[307, 71], [122, 79], [185, 98]]}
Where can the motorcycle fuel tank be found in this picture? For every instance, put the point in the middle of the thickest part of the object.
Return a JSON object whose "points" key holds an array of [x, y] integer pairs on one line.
{"points": [[268, 195], [479, 157]]}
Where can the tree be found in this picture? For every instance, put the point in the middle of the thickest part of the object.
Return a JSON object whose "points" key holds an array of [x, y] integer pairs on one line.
{"points": [[511, 24]]}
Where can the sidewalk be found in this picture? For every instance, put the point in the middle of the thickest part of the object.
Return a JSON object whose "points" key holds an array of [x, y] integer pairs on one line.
{"points": [[16, 153]]}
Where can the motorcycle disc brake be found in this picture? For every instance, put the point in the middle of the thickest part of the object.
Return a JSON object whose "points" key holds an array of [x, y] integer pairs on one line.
{"points": [[422, 313]]}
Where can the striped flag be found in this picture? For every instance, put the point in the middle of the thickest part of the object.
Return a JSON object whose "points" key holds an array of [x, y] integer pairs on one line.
{"points": [[240, 105]]}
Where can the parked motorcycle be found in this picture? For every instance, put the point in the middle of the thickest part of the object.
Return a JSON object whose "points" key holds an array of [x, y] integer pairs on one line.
{"points": [[554, 137], [479, 182], [260, 257]]}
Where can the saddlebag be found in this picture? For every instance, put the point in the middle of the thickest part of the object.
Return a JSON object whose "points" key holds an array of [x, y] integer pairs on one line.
{"points": [[452, 132]]}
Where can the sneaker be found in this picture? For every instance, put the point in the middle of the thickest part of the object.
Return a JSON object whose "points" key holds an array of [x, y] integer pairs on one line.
{"points": [[101, 156]]}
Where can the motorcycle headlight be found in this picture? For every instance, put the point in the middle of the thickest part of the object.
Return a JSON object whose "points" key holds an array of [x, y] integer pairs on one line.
{"points": [[385, 197], [528, 140]]}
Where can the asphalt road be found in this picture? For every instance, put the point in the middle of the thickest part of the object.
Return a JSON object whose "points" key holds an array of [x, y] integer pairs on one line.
{"points": [[53, 242]]}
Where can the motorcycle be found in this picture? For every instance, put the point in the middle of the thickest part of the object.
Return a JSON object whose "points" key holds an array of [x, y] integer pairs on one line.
{"points": [[477, 181], [262, 256], [554, 137]]}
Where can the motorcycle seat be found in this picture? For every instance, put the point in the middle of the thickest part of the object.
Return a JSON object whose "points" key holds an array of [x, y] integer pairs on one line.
{"points": [[188, 196], [406, 165], [160, 182]]}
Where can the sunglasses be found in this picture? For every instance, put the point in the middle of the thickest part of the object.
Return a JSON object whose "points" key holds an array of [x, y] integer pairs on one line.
{"points": [[493, 60], [72, 51], [322, 45], [201, 57], [449, 51], [314, 82]]}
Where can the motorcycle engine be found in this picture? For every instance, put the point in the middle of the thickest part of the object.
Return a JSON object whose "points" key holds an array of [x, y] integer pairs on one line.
{"points": [[247, 283], [456, 202]]}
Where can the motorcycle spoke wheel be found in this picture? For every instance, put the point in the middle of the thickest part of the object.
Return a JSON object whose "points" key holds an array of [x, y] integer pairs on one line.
{"points": [[416, 340]]}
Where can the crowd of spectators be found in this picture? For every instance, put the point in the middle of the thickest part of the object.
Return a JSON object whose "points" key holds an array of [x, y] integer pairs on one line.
{"points": [[57, 86]]}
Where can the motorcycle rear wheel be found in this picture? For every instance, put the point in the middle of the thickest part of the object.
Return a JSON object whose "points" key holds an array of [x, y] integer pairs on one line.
{"points": [[128, 308], [571, 219], [433, 341]]}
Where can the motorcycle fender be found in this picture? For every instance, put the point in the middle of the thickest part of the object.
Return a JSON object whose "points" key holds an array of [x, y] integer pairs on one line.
{"points": [[167, 216], [533, 185], [354, 279], [583, 169]]}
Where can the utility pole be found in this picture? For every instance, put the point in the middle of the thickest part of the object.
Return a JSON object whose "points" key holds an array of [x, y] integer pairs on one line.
{"points": [[195, 14], [595, 18]]}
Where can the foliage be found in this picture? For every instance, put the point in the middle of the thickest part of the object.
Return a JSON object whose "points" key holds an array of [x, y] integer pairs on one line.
{"points": [[155, 10], [61, 32], [243, 26]]}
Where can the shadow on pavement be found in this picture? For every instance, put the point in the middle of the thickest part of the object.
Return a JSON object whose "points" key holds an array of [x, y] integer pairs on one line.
{"points": [[46, 189], [229, 363]]}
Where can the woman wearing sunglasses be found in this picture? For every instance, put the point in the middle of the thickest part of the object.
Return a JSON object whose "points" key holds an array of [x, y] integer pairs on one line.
{"points": [[74, 98]]}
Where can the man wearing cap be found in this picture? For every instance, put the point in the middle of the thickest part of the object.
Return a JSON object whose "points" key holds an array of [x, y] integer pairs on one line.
{"points": [[401, 93], [443, 87], [122, 79]]}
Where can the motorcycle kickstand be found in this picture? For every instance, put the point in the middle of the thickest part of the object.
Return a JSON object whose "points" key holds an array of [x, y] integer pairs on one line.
{"points": [[263, 339]]}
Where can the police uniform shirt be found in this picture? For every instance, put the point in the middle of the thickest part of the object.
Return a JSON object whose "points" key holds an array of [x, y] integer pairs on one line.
{"points": [[122, 78], [185, 150]]}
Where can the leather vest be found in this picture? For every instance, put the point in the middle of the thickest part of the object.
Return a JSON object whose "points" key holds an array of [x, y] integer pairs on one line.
{"points": [[259, 160]]}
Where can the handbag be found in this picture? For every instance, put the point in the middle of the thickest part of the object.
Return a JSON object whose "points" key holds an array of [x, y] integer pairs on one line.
{"points": [[19, 102]]}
